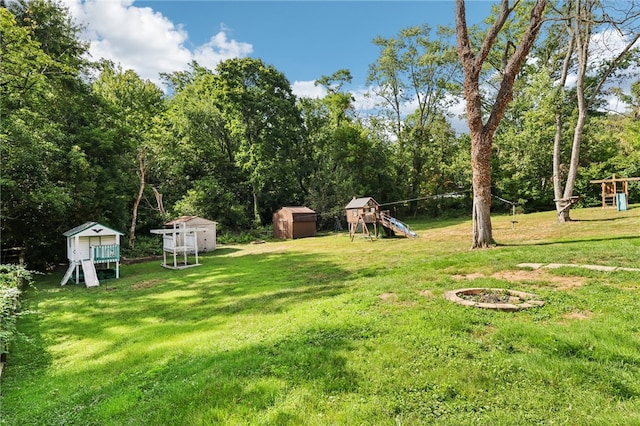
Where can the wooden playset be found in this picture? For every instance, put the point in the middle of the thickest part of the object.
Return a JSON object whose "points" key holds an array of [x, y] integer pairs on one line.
{"points": [[362, 212], [615, 191]]}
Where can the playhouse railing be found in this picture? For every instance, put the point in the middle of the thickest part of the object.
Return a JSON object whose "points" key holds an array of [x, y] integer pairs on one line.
{"points": [[106, 253]]}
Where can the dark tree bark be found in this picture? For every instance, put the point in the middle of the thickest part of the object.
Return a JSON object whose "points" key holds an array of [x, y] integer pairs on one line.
{"points": [[482, 132]]}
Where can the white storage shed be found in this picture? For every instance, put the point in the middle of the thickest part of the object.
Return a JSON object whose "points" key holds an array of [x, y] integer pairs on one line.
{"points": [[185, 236], [206, 235]]}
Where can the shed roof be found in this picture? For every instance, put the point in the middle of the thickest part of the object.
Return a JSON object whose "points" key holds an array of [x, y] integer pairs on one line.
{"points": [[298, 209], [88, 225], [357, 203], [297, 213], [187, 219]]}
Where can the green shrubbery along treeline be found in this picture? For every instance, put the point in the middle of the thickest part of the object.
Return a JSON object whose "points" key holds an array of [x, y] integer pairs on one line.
{"points": [[13, 278]]}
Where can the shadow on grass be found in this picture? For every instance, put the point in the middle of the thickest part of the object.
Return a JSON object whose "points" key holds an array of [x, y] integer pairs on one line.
{"points": [[251, 380], [573, 241], [220, 251], [205, 386], [28, 357], [171, 304], [606, 219]]}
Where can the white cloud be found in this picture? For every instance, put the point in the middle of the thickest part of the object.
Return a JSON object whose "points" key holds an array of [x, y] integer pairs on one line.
{"points": [[219, 48], [145, 41], [365, 99], [367, 102], [607, 45], [308, 89]]}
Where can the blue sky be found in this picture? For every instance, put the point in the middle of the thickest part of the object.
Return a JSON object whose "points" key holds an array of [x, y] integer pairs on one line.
{"points": [[306, 39], [302, 39]]}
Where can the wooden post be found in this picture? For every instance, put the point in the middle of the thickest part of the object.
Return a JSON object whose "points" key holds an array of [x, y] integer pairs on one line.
{"points": [[118, 261], [615, 189]]}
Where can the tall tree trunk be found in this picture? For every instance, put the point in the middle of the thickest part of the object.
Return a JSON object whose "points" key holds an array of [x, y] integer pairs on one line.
{"points": [[482, 133], [581, 35], [558, 178], [481, 167], [256, 209], [564, 216], [136, 204]]}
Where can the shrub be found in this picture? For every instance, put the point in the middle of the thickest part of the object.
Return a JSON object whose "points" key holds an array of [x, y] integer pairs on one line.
{"points": [[13, 279], [245, 236], [144, 246]]}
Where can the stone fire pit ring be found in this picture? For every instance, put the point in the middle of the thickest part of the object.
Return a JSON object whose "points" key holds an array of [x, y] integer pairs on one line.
{"points": [[494, 298]]}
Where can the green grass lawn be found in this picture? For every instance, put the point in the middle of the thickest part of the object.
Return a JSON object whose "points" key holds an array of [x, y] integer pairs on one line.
{"points": [[325, 331]]}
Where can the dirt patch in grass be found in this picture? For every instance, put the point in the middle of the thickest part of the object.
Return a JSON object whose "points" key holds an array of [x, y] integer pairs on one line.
{"points": [[395, 300], [487, 330], [389, 297], [146, 284], [578, 315], [473, 276], [426, 293], [560, 282]]}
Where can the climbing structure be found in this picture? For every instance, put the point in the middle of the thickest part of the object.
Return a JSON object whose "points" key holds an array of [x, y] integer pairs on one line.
{"points": [[615, 191], [179, 242], [362, 212]]}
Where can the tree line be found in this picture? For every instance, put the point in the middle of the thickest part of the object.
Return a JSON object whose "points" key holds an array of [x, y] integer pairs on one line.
{"points": [[87, 140]]}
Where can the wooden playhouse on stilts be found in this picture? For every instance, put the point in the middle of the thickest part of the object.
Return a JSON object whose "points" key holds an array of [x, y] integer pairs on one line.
{"points": [[88, 245], [365, 212]]}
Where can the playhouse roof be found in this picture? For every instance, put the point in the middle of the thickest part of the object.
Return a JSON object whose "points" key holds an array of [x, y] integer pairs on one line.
{"points": [[357, 203], [97, 228]]}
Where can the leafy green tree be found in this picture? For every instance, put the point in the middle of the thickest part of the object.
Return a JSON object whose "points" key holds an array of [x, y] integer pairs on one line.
{"points": [[620, 133], [521, 168], [237, 136], [46, 108], [260, 113], [349, 158], [581, 20], [135, 107], [197, 162], [338, 102], [419, 70]]}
